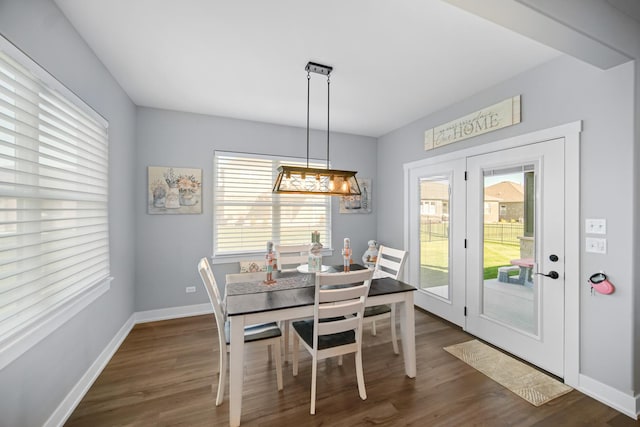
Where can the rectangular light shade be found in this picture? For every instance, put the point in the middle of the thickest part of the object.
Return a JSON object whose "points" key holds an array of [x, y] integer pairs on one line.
{"points": [[330, 182]]}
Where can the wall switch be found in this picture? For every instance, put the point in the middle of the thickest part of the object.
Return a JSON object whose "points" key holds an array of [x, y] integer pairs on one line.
{"points": [[190, 289], [595, 226], [596, 245]]}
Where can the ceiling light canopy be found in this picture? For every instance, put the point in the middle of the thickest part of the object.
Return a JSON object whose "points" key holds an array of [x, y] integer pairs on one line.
{"points": [[306, 180]]}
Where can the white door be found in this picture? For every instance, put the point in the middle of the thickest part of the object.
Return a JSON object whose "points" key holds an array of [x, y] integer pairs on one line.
{"points": [[436, 251], [515, 230]]}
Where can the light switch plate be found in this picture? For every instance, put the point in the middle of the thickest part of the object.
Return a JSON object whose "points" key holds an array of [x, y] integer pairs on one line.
{"points": [[596, 245], [595, 226]]}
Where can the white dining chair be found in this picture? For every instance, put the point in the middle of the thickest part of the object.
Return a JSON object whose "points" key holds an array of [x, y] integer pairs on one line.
{"points": [[336, 327], [267, 333], [289, 257], [256, 276], [389, 264]]}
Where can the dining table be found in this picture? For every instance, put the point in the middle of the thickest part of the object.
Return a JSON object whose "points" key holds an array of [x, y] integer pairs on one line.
{"points": [[292, 297]]}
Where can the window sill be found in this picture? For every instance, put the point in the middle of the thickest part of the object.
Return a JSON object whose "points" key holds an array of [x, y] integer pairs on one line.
{"points": [[228, 259], [16, 344]]}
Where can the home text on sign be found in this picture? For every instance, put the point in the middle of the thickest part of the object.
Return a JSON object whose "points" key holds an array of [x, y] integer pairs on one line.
{"points": [[497, 116]]}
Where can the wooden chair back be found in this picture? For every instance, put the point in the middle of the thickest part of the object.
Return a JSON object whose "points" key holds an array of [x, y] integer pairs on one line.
{"points": [[288, 257], [339, 303], [214, 296], [389, 263]]}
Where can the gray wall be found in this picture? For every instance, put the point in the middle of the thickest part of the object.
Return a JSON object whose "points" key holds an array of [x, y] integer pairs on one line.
{"points": [[33, 386], [169, 246], [561, 91]]}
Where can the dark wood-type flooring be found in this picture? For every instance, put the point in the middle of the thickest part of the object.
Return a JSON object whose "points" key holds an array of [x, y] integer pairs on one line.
{"points": [[165, 373]]}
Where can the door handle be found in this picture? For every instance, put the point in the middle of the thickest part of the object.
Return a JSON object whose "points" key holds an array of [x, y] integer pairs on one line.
{"points": [[552, 274]]}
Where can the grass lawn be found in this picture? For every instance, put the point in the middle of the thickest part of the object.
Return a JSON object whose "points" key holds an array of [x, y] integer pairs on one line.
{"points": [[434, 260], [498, 255]]}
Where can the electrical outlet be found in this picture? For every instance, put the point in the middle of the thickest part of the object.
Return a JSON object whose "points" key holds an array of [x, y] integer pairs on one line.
{"points": [[596, 246], [190, 289], [595, 226]]}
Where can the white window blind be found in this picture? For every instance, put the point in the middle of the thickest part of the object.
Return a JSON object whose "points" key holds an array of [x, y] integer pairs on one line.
{"points": [[247, 214], [54, 237]]}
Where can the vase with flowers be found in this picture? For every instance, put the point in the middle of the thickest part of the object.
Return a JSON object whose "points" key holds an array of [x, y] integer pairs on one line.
{"points": [[172, 200], [188, 186], [159, 192]]}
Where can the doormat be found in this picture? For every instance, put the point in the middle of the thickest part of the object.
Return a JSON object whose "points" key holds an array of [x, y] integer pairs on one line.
{"points": [[528, 383]]}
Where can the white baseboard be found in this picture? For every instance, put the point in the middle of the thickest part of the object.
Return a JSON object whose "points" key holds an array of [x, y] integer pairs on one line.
{"points": [[625, 403], [71, 401], [173, 312]]}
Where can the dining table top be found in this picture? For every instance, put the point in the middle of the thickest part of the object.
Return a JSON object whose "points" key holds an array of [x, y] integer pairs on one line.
{"points": [[293, 289]]}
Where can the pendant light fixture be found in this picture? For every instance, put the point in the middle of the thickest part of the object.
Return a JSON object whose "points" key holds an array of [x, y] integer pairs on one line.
{"points": [[306, 180]]}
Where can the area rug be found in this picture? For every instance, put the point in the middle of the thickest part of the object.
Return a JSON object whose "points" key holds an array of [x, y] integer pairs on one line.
{"points": [[532, 385]]}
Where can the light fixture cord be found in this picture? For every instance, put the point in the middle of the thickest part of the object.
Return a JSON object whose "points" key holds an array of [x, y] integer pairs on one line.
{"points": [[308, 92], [328, 92]]}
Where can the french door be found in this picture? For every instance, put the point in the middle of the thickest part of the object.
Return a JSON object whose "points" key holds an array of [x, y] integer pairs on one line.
{"points": [[515, 251], [486, 246], [437, 196]]}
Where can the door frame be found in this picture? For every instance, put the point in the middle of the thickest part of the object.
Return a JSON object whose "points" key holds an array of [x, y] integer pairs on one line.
{"points": [[571, 134]]}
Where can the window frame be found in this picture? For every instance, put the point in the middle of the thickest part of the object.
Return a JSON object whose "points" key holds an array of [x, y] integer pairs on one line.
{"points": [[227, 257], [16, 341]]}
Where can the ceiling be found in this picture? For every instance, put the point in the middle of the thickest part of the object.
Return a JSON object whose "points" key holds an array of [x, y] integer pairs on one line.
{"points": [[394, 61]]}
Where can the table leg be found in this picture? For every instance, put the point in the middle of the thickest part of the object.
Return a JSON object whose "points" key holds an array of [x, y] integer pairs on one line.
{"points": [[236, 369], [408, 331]]}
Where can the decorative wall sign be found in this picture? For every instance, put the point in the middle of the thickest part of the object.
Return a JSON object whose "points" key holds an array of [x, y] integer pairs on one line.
{"points": [[358, 204], [500, 115], [174, 190]]}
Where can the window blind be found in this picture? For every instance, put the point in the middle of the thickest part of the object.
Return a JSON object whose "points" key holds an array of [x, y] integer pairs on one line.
{"points": [[247, 214], [54, 235]]}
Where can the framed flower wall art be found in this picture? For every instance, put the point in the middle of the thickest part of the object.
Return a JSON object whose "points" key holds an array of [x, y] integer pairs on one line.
{"points": [[173, 190]]}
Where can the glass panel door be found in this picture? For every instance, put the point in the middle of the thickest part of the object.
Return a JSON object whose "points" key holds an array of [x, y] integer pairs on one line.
{"points": [[436, 256], [515, 229], [434, 235], [509, 294]]}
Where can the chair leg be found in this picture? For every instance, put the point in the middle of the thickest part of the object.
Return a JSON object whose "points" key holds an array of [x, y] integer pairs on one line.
{"points": [[296, 344], [269, 353], [314, 372], [278, 357], [286, 340], [360, 375], [394, 337], [222, 378], [340, 360], [373, 328]]}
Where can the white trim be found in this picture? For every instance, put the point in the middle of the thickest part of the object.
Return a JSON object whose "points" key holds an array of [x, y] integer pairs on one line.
{"points": [[71, 401], [228, 259], [16, 345], [571, 134], [572, 256], [77, 393], [514, 141], [625, 403], [173, 312], [267, 156]]}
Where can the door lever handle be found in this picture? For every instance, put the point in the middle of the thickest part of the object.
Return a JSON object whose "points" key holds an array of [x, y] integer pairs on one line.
{"points": [[552, 274]]}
